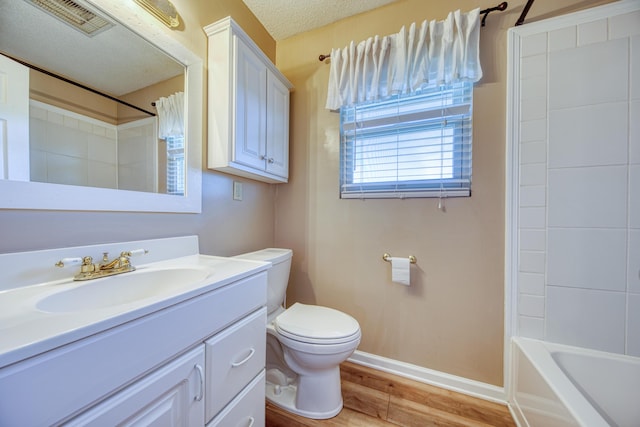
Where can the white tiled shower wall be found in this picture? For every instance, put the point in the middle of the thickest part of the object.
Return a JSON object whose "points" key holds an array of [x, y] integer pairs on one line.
{"points": [[579, 195], [67, 148], [138, 155], [72, 149]]}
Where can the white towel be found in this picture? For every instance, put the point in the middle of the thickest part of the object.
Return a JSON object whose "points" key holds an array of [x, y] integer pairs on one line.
{"points": [[401, 271]]}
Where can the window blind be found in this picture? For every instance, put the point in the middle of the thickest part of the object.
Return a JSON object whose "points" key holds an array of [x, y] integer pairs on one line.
{"points": [[175, 165], [408, 146]]}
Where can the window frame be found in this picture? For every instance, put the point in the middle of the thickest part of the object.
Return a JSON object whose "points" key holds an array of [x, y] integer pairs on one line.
{"points": [[456, 114]]}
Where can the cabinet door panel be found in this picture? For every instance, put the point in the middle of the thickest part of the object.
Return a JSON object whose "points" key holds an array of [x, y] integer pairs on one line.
{"points": [[171, 396], [250, 107], [277, 127]]}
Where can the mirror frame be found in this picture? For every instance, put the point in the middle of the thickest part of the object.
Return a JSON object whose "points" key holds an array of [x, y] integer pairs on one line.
{"points": [[45, 196]]}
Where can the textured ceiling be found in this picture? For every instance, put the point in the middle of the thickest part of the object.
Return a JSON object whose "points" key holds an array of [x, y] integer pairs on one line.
{"points": [[285, 18], [115, 61]]}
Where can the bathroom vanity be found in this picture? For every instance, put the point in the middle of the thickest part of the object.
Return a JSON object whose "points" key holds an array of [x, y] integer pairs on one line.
{"points": [[183, 353]]}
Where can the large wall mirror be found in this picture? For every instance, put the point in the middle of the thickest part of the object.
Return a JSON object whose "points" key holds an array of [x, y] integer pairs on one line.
{"points": [[80, 105]]}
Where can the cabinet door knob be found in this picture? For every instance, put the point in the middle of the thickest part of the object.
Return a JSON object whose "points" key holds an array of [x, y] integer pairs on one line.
{"points": [[271, 160], [262, 157]]}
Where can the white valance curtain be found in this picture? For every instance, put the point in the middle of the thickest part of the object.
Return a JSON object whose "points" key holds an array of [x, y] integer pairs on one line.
{"points": [[170, 115], [439, 52]]}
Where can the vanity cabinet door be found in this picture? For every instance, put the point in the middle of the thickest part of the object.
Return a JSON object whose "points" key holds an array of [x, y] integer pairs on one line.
{"points": [[171, 396], [233, 358]]}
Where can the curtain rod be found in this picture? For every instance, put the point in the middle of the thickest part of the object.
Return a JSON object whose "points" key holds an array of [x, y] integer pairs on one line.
{"points": [[485, 12], [520, 20], [66, 80]]}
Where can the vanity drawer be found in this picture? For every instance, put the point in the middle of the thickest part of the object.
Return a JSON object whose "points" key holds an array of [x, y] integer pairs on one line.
{"points": [[233, 358], [247, 409]]}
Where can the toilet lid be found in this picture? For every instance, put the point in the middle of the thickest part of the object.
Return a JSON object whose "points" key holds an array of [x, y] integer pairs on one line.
{"points": [[316, 324]]}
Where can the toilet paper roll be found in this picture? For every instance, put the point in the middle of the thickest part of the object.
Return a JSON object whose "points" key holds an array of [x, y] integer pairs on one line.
{"points": [[401, 270]]}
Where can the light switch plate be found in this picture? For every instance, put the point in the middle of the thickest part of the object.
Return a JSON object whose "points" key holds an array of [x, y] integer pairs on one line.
{"points": [[237, 190]]}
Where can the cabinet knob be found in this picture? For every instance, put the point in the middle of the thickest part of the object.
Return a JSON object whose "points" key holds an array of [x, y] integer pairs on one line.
{"points": [[262, 157], [271, 160]]}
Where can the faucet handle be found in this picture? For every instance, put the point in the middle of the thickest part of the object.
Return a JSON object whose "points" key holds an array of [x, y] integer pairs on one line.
{"points": [[135, 252], [86, 263], [65, 262]]}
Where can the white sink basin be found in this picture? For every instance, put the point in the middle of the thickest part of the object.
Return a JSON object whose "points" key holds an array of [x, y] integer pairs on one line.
{"points": [[121, 289]]}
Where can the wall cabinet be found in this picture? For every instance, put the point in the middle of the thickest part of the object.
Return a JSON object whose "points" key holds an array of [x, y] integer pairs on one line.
{"points": [[248, 107]]}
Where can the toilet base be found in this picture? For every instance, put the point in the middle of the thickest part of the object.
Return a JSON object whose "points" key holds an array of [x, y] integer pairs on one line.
{"points": [[284, 396]]}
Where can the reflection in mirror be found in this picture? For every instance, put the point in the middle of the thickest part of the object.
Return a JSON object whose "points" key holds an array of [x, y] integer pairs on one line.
{"points": [[93, 92]]}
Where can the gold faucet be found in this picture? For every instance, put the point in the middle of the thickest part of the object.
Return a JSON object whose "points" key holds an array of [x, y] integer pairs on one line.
{"points": [[89, 270], [121, 262]]}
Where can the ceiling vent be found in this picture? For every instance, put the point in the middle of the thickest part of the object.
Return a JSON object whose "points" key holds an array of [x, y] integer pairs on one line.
{"points": [[75, 15]]}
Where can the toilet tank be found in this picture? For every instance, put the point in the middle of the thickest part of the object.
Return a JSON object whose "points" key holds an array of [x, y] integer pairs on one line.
{"points": [[277, 275]]}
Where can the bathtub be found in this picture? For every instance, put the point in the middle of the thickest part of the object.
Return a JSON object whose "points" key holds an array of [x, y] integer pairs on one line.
{"points": [[558, 385]]}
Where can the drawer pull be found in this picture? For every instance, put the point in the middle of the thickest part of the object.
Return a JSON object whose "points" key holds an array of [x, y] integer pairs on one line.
{"points": [[245, 360], [198, 368]]}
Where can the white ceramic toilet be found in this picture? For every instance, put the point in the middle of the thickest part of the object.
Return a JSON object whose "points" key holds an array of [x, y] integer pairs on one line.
{"points": [[305, 346]]}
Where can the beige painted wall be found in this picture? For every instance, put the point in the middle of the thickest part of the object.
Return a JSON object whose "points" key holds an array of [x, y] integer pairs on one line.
{"points": [[451, 318], [225, 227]]}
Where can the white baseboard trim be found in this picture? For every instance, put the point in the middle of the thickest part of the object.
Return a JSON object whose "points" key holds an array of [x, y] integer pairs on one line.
{"points": [[429, 376], [518, 416]]}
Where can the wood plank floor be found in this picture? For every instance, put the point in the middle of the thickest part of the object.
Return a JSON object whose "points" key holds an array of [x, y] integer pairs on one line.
{"points": [[374, 398]]}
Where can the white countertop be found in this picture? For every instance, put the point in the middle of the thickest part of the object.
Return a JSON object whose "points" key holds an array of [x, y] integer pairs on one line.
{"points": [[26, 331]]}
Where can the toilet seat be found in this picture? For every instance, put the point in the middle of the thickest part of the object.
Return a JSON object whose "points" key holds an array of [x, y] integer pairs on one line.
{"points": [[316, 325]]}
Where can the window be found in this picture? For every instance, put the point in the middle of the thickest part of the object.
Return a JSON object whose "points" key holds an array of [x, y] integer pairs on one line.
{"points": [[416, 145], [175, 165]]}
